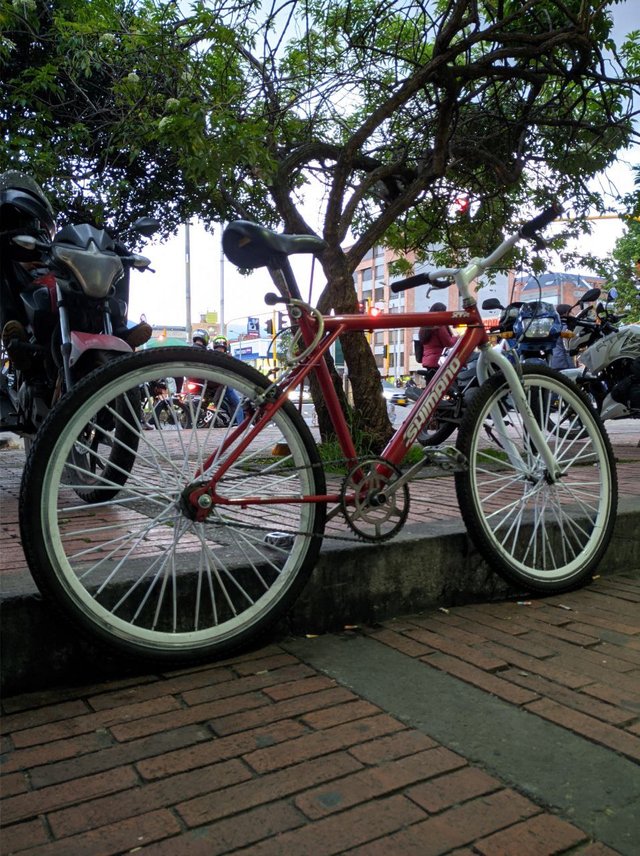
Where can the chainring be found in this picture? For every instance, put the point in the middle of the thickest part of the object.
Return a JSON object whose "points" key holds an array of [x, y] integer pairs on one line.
{"points": [[371, 509]]}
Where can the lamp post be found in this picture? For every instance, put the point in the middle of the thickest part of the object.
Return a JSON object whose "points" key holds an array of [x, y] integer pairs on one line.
{"points": [[187, 278], [223, 325]]}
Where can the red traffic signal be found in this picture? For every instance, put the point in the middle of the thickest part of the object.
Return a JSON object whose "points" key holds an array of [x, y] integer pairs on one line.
{"points": [[462, 206], [375, 311]]}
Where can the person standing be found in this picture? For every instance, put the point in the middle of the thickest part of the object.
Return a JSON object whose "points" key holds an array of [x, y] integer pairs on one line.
{"points": [[434, 340]]}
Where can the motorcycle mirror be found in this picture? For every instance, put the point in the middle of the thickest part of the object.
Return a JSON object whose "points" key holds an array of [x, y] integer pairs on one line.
{"points": [[613, 293], [140, 261], [146, 226], [589, 296], [27, 242], [492, 303]]}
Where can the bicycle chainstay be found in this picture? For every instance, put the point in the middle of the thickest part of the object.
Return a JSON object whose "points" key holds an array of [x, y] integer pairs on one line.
{"points": [[446, 458]]}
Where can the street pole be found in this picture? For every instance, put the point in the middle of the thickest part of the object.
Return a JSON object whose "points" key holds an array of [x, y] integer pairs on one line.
{"points": [[187, 278], [223, 326]]}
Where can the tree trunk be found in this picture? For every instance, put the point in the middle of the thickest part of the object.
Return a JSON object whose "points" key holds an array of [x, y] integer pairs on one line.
{"points": [[369, 421]]}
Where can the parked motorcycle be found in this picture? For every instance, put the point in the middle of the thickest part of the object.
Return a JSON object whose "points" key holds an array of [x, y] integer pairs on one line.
{"points": [[610, 355], [203, 407], [527, 331], [68, 289]]}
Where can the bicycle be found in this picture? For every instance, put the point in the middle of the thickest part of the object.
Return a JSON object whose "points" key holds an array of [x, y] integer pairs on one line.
{"points": [[216, 530]]}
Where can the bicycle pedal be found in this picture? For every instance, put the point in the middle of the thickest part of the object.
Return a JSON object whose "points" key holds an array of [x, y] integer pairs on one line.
{"points": [[446, 458]]}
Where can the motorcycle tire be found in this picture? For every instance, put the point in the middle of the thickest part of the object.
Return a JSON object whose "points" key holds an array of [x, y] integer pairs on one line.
{"points": [[101, 461], [170, 414]]}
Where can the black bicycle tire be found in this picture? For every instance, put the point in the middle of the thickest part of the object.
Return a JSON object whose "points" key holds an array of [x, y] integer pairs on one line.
{"points": [[42, 562], [482, 535], [439, 435]]}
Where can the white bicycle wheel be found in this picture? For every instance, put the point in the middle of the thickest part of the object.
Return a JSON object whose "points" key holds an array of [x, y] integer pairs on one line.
{"points": [[147, 570], [546, 535]]}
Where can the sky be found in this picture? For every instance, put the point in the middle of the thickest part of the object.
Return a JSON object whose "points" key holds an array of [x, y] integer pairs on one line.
{"points": [[161, 296]]}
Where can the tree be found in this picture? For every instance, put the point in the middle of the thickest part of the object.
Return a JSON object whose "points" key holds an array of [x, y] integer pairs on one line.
{"points": [[393, 109], [622, 270]]}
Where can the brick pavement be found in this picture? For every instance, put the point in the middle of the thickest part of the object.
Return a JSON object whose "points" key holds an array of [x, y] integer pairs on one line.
{"points": [[266, 754]]}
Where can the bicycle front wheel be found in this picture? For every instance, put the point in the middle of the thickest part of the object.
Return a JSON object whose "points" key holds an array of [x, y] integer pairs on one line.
{"points": [[142, 570], [542, 534]]}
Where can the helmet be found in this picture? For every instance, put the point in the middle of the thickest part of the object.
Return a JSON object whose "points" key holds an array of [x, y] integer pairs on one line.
{"points": [[24, 209], [220, 343], [201, 336]]}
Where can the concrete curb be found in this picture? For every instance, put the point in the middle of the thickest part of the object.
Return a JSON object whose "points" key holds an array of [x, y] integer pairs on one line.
{"points": [[352, 584]]}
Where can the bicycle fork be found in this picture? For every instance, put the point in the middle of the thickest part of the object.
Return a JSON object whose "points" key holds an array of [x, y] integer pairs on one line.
{"points": [[514, 381]]}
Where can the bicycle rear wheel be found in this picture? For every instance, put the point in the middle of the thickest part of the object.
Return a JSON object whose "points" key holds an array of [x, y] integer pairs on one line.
{"points": [[545, 536], [138, 570]]}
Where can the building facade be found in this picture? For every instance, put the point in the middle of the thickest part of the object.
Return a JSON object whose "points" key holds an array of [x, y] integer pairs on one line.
{"points": [[554, 288], [393, 349]]}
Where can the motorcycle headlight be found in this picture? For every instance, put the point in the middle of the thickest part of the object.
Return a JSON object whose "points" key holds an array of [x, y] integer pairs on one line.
{"points": [[537, 328], [95, 271]]}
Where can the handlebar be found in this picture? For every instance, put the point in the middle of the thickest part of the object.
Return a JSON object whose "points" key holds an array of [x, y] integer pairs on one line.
{"points": [[446, 276], [529, 229], [419, 279]]}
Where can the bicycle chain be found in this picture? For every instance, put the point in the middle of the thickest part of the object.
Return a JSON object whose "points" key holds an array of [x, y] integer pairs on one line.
{"points": [[356, 537]]}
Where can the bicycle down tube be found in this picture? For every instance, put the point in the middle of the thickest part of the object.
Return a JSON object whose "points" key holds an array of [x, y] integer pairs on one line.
{"points": [[403, 438]]}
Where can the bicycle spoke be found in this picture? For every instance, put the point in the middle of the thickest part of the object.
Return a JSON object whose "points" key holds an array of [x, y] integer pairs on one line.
{"points": [[542, 531], [137, 565]]}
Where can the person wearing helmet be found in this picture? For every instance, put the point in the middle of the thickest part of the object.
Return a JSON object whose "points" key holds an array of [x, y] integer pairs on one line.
{"points": [[221, 344], [24, 210], [434, 340], [231, 398], [200, 339]]}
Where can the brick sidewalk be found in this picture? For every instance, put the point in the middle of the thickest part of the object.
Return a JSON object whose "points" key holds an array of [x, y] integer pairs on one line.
{"points": [[266, 754]]}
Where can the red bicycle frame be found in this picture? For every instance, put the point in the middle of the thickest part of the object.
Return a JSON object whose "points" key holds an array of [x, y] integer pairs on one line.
{"points": [[403, 437]]}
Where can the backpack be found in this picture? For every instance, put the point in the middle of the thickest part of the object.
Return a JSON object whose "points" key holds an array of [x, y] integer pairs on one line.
{"points": [[418, 344]]}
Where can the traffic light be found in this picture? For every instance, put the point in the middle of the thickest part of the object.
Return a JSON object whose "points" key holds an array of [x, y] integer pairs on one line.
{"points": [[462, 206], [268, 326], [362, 306], [281, 321], [375, 311]]}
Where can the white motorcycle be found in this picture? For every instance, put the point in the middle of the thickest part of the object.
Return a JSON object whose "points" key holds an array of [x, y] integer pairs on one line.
{"points": [[611, 360]]}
